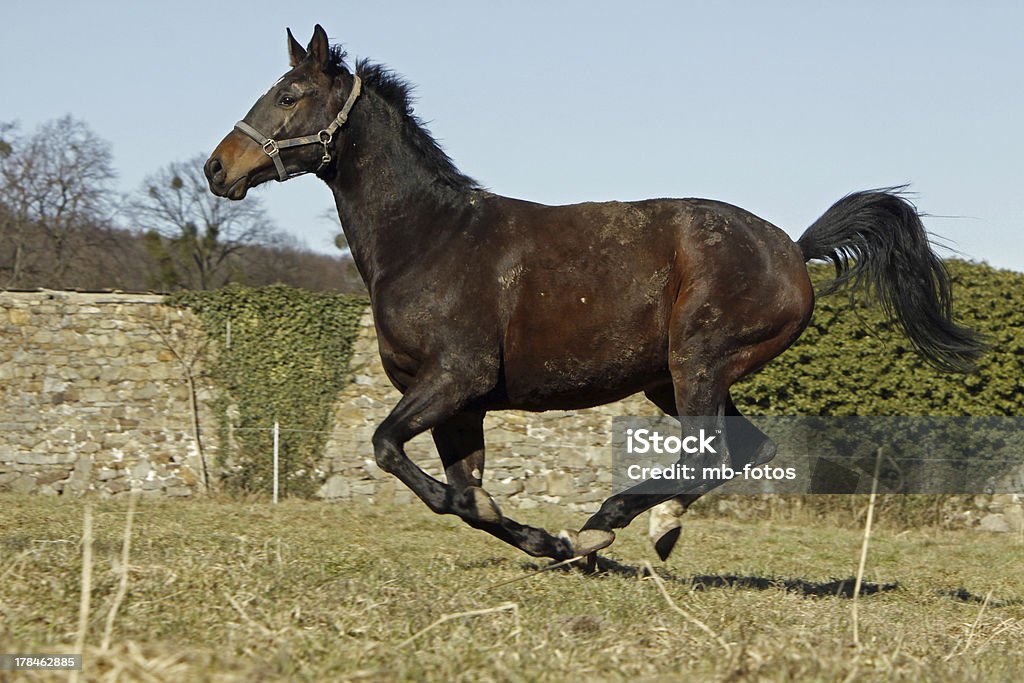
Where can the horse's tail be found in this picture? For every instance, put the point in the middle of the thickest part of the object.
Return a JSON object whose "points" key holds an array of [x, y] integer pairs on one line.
{"points": [[878, 244]]}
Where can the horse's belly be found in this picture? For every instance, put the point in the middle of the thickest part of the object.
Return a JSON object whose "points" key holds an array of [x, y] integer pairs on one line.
{"points": [[575, 363]]}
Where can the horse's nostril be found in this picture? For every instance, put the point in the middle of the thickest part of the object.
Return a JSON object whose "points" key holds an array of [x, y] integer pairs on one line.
{"points": [[215, 171]]}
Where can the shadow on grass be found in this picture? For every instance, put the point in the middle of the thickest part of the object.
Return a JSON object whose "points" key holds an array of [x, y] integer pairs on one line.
{"points": [[842, 588], [964, 595]]}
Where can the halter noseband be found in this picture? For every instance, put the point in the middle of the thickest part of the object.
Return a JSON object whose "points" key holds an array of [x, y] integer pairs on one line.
{"points": [[272, 148]]}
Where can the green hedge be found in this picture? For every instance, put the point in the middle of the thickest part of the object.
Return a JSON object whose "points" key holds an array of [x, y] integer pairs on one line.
{"points": [[851, 362], [286, 360]]}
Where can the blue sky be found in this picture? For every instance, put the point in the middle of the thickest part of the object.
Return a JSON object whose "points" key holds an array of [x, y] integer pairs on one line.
{"points": [[778, 107]]}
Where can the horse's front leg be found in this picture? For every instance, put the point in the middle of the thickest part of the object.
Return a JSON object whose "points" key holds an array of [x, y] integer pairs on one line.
{"points": [[460, 443], [435, 404]]}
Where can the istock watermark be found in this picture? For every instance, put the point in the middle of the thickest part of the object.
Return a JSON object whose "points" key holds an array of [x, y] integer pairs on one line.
{"points": [[818, 454], [640, 441]]}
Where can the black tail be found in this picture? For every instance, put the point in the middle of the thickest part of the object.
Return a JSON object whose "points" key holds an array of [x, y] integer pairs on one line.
{"points": [[877, 242]]}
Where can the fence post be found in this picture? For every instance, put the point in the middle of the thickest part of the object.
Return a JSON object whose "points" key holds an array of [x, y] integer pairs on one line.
{"points": [[277, 441]]}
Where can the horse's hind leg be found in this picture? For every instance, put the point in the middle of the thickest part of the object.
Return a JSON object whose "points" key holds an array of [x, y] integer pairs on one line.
{"points": [[667, 518], [704, 360], [700, 393], [746, 444]]}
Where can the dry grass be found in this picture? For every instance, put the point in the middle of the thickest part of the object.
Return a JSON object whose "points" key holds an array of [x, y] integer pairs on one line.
{"points": [[229, 591]]}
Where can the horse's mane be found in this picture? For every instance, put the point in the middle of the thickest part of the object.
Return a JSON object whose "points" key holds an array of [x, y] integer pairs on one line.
{"points": [[398, 93]]}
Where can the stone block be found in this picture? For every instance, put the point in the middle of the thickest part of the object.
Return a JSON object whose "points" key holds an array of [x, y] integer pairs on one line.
{"points": [[35, 459], [106, 474], [535, 485], [141, 470], [504, 487], [18, 316], [363, 489], [79, 480], [51, 476], [995, 523], [24, 483], [146, 392], [525, 503], [559, 483], [335, 487], [1014, 517], [116, 486], [1001, 500]]}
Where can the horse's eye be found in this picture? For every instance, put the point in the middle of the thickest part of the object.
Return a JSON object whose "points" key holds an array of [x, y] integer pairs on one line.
{"points": [[287, 100]]}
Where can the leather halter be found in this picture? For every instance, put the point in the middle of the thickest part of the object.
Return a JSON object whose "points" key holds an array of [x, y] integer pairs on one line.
{"points": [[272, 148]]}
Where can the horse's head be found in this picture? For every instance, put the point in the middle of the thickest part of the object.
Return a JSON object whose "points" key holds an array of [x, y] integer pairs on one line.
{"points": [[292, 128]]}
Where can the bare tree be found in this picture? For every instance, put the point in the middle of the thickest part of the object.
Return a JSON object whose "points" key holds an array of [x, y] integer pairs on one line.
{"points": [[13, 208], [196, 238], [56, 181]]}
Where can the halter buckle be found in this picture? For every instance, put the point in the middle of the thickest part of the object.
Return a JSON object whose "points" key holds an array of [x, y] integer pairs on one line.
{"points": [[271, 149]]}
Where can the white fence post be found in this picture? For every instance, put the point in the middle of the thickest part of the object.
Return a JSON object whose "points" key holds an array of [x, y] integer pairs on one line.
{"points": [[277, 440]]}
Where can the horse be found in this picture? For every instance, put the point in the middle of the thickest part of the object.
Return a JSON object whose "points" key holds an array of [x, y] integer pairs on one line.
{"points": [[483, 302]]}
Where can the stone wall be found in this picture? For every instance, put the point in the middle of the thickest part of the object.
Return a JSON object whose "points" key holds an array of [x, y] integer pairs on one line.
{"points": [[105, 393], [95, 394]]}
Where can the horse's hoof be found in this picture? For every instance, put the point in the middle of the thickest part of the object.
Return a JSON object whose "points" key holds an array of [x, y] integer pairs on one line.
{"points": [[664, 544], [591, 540], [478, 504], [586, 563], [664, 527]]}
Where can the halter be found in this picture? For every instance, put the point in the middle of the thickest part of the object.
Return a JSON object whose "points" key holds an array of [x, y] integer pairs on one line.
{"points": [[272, 148]]}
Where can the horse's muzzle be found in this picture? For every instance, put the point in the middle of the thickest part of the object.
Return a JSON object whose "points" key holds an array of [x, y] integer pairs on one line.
{"points": [[216, 176]]}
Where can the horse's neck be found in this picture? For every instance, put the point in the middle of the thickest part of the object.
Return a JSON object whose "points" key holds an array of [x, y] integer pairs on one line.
{"points": [[391, 205]]}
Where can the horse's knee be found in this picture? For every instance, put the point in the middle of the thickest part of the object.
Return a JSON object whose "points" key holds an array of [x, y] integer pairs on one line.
{"points": [[386, 452], [762, 452]]}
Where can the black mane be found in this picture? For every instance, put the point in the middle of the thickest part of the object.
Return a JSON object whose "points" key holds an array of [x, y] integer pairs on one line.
{"points": [[397, 92]]}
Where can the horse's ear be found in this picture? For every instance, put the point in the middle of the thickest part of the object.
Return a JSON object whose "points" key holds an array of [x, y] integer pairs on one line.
{"points": [[319, 48], [296, 53]]}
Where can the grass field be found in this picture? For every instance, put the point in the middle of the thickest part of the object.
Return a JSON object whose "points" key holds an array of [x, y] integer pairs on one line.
{"points": [[243, 591]]}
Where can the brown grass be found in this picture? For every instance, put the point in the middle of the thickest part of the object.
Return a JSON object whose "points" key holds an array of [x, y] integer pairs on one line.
{"points": [[230, 591]]}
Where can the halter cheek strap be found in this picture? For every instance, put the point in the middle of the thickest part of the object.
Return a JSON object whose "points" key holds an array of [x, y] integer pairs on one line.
{"points": [[272, 148]]}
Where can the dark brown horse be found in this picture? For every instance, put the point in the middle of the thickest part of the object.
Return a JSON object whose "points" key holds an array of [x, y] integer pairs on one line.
{"points": [[483, 302]]}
